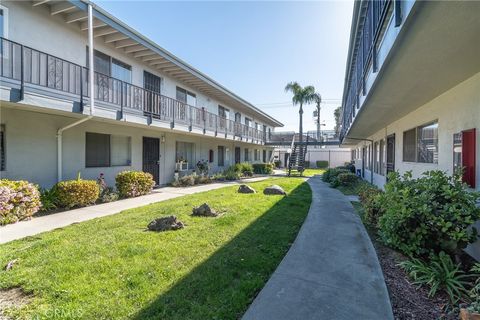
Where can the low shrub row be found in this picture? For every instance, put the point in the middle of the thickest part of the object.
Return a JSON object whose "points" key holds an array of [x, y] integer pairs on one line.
{"points": [[330, 175], [322, 164], [262, 168], [191, 180], [19, 200]]}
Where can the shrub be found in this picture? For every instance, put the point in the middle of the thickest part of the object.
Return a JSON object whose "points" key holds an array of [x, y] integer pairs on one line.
{"points": [[187, 181], [369, 196], [346, 179], [108, 195], [231, 174], [429, 214], [77, 193], [134, 183], [438, 274], [244, 168], [262, 168], [277, 163], [49, 199], [322, 164], [19, 200], [475, 291], [348, 166], [306, 164], [331, 174]]}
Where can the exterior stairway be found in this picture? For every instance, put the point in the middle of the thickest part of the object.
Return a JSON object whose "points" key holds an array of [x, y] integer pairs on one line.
{"points": [[296, 161]]}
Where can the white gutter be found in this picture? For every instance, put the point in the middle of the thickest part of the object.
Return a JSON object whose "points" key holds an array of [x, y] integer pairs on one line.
{"points": [[92, 98]]}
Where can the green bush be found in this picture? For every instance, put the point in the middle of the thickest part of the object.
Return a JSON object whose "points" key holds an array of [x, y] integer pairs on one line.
{"points": [[331, 174], [19, 200], [346, 179], [134, 183], [475, 291], [244, 168], [108, 195], [277, 163], [49, 199], [306, 164], [322, 164], [77, 193], [427, 215], [231, 174], [440, 273], [262, 168], [369, 196]]}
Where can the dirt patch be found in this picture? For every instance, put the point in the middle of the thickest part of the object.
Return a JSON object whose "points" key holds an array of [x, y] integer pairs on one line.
{"points": [[12, 298]]}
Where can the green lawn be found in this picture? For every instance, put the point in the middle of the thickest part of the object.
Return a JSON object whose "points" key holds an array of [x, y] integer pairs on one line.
{"points": [[112, 268]]}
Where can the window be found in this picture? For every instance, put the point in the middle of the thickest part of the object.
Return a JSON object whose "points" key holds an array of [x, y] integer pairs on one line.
{"points": [[3, 22], [105, 150], [111, 67], [221, 156], [246, 154], [382, 158], [2, 148], [457, 151], [210, 156], [223, 112], [121, 71], [247, 122], [238, 117], [186, 97], [185, 151], [421, 144], [255, 155], [264, 155]]}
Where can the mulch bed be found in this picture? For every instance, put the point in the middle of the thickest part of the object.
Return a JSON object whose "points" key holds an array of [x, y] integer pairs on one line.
{"points": [[408, 300]]}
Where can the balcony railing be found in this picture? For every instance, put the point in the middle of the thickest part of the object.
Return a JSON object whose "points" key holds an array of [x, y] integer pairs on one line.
{"points": [[375, 15], [25, 65]]}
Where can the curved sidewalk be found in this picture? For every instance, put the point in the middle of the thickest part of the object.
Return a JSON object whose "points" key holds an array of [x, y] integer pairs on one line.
{"points": [[330, 272]]}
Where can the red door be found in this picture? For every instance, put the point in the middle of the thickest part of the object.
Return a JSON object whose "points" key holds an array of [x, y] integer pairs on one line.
{"points": [[468, 156]]}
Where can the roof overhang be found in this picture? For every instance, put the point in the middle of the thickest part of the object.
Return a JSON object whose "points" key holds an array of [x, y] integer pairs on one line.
{"points": [[129, 41], [438, 49]]}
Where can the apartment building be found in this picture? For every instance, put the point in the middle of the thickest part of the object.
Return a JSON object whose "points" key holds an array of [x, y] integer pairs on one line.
{"points": [[151, 111], [411, 98]]}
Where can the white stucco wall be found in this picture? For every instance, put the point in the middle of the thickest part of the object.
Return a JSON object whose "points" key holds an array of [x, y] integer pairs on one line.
{"points": [[31, 147], [36, 28]]}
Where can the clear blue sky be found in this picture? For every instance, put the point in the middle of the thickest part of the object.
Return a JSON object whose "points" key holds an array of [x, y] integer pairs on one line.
{"points": [[254, 48]]}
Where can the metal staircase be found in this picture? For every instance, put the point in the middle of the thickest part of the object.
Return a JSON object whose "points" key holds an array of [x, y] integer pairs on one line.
{"points": [[296, 161]]}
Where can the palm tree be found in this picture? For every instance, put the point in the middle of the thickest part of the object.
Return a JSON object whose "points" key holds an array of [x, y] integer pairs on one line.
{"points": [[317, 98], [301, 96]]}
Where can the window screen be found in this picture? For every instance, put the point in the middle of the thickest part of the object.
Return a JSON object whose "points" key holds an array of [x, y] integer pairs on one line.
{"points": [[246, 154], [121, 71], [97, 151], [409, 145], [185, 152], [120, 150]]}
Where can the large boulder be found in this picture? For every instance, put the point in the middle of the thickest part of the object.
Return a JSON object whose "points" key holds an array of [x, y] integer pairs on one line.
{"points": [[204, 211], [165, 224], [243, 188], [274, 190]]}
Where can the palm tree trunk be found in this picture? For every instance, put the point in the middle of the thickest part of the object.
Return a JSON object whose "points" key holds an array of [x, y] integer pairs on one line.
{"points": [[300, 112]]}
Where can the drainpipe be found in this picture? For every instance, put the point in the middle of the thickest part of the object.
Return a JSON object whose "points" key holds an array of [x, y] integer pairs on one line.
{"points": [[371, 155], [92, 98]]}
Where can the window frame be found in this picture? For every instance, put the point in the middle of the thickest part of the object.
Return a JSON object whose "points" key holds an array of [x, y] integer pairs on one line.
{"points": [[5, 21], [129, 162], [3, 147], [221, 156], [110, 63], [417, 143]]}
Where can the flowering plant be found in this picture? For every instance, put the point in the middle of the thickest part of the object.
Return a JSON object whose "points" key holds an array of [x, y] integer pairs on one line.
{"points": [[202, 166], [19, 200]]}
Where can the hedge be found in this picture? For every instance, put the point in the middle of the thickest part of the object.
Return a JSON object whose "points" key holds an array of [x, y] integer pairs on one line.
{"points": [[262, 168], [322, 164], [134, 183], [77, 193], [19, 200]]}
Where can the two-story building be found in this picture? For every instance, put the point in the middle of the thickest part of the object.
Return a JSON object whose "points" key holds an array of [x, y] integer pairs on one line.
{"points": [[150, 109], [411, 97]]}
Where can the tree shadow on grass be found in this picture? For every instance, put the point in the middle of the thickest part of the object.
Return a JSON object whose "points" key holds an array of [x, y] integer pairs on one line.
{"points": [[224, 285]]}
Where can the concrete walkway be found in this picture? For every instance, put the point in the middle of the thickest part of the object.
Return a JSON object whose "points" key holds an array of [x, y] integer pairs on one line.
{"points": [[330, 272], [53, 221]]}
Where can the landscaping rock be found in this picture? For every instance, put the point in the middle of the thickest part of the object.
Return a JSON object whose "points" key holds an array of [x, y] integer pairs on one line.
{"points": [[246, 189], [205, 211], [165, 224], [274, 190]]}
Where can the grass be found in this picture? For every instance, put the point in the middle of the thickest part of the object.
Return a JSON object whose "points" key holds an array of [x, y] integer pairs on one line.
{"points": [[308, 172], [111, 268]]}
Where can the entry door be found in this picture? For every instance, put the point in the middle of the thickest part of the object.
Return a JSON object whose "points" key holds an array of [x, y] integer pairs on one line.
{"points": [[237, 154], [468, 156], [152, 102], [151, 157], [390, 154]]}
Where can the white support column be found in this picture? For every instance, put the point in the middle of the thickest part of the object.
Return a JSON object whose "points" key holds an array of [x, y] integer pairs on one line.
{"points": [[91, 74]]}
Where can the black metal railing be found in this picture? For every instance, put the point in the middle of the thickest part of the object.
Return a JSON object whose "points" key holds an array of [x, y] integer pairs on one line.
{"points": [[365, 47], [26, 65]]}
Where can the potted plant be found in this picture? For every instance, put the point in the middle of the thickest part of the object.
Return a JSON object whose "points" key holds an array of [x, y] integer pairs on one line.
{"points": [[202, 167]]}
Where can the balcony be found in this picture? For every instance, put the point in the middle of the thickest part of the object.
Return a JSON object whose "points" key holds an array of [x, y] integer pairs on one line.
{"points": [[25, 69]]}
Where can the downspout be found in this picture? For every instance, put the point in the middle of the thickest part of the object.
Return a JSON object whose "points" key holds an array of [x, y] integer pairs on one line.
{"points": [[92, 98], [371, 155]]}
